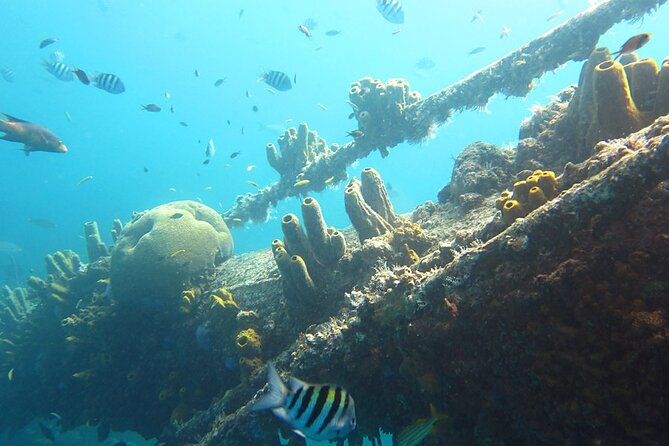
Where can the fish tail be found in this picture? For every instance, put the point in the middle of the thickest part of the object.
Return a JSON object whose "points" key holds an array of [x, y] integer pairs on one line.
{"points": [[277, 391]]}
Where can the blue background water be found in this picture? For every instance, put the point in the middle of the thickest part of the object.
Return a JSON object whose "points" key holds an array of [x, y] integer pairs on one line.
{"points": [[155, 46]]}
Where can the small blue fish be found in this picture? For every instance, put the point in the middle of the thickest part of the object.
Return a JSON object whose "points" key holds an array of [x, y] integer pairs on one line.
{"points": [[317, 411], [391, 10], [277, 79], [59, 70], [109, 83]]}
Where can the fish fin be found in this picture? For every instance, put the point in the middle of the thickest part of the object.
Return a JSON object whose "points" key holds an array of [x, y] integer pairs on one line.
{"points": [[299, 433], [277, 391], [27, 149], [294, 384], [11, 118]]}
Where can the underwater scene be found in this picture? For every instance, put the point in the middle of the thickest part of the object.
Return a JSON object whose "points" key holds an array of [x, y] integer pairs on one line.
{"points": [[378, 222]]}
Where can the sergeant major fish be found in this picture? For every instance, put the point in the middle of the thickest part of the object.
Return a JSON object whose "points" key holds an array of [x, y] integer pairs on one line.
{"points": [[59, 70], [317, 411], [109, 83], [34, 137], [277, 79], [391, 10]]}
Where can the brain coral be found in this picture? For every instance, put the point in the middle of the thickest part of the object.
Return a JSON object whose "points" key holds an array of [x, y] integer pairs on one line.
{"points": [[159, 251]]}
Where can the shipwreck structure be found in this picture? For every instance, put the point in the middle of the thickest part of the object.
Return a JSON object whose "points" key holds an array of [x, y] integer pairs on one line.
{"points": [[528, 304]]}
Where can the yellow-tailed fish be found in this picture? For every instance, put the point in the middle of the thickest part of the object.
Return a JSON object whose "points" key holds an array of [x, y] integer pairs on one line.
{"points": [[253, 183], [301, 183], [414, 434], [328, 180], [250, 167], [10, 374]]}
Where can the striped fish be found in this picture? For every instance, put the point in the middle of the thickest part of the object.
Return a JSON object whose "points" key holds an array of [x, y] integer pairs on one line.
{"points": [[317, 411], [109, 83], [59, 70], [7, 74], [277, 79], [391, 10], [414, 434]]}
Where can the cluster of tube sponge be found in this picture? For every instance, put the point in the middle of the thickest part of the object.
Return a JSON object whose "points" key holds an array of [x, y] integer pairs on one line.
{"points": [[379, 109], [368, 206], [303, 258], [527, 195], [615, 98], [298, 146]]}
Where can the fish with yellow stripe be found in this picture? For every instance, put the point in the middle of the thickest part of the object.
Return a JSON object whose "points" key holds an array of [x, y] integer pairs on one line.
{"points": [[317, 411], [414, 434]]}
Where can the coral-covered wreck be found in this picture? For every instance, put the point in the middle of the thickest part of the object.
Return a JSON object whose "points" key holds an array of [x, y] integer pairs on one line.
{"points": [[541, 324]]}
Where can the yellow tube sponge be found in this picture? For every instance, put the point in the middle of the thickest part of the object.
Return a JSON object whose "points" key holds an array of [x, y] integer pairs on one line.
{"points": [[535, 198], [512, 210], [527, 195], [249, 343]]}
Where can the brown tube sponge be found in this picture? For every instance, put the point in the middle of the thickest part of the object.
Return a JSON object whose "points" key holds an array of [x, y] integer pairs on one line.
{"points": [[316, 227], [662, 97], [95, 248], [294, 239], [337, 244], [616, 113], [375, 194], [273, 157], [366, 221], [642, 79], [300, 275]]}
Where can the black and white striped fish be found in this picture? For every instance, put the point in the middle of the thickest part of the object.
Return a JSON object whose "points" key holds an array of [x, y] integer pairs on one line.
{"points": [[59, 70], [391, 10], [7, 73], [109, 83], [277, 79], [317, 411]]}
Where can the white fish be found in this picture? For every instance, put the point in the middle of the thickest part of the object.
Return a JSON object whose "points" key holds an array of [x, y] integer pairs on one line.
{"points": [[505, 32], [391, 10]]}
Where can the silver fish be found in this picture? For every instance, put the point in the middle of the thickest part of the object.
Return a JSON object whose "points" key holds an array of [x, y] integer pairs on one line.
{"points": [[59, 70]]}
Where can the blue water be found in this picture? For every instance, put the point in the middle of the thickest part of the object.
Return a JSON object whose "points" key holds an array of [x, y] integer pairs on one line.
{"points": [[155, 46]]}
